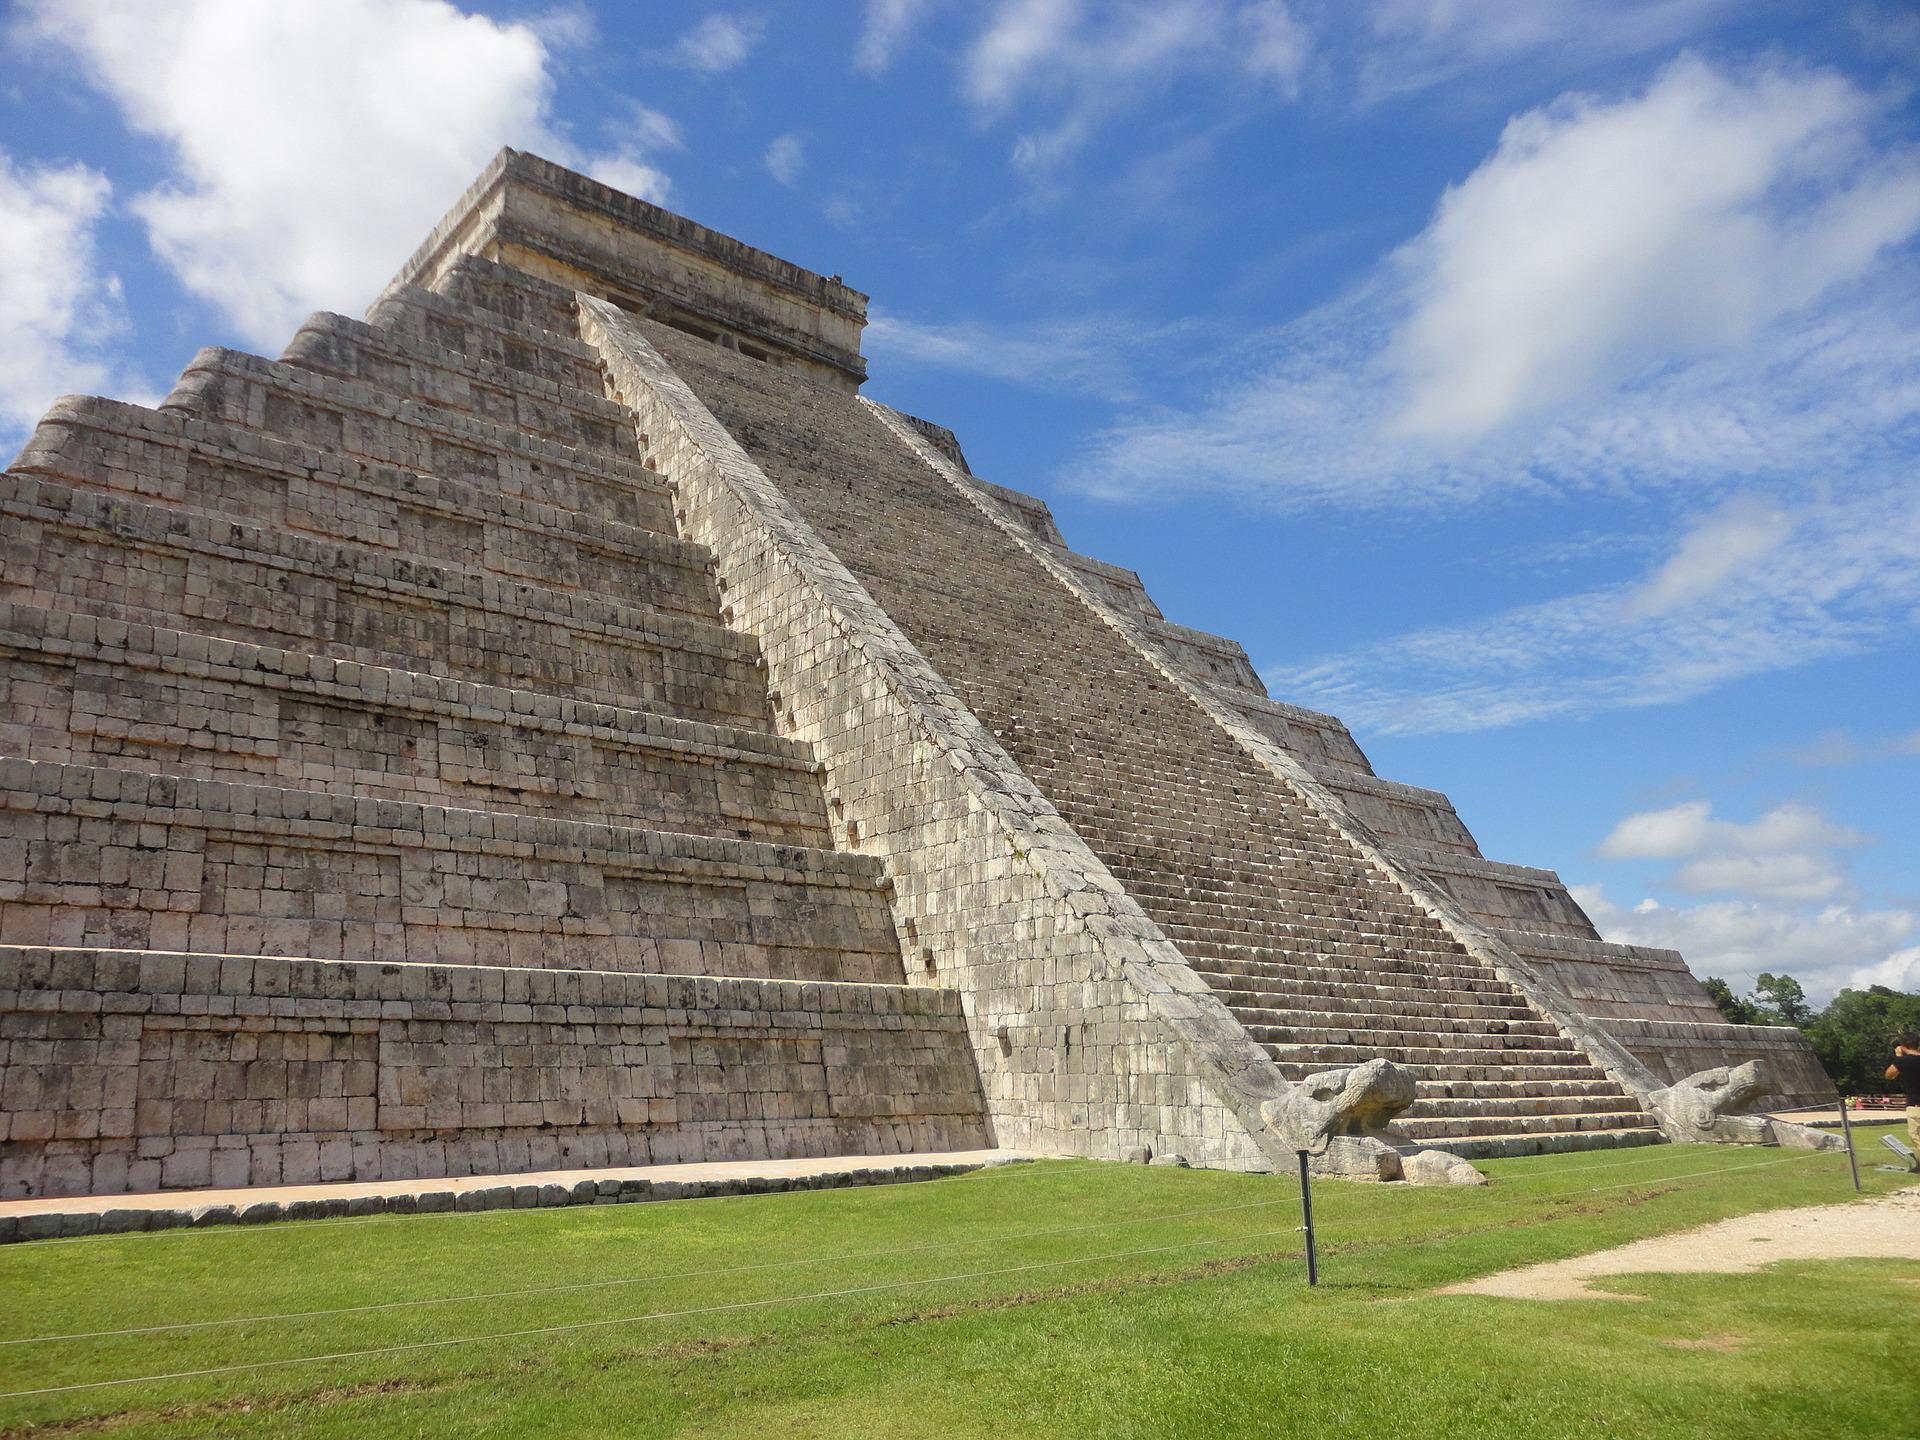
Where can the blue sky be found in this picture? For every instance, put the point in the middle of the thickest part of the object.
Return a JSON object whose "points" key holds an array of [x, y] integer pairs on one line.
{"points": [[1532, 383]]}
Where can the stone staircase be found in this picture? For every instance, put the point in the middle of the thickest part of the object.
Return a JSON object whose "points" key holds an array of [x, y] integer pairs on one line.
{"points": [[391, 786], [388, 652], [1319, 954]]}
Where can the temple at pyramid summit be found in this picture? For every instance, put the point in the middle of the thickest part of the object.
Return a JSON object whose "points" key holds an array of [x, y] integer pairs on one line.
{"points": [[558, 721]]}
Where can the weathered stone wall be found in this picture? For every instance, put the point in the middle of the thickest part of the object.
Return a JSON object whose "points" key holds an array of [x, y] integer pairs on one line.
{"points": [[1675, 1049], [140, 697], [1092, 1034], [1610, 981], [94, 857], [565, 228], [1443, 1006], [127, 1071]]}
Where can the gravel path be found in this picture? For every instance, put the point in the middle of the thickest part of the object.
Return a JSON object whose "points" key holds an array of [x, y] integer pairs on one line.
{"points": [[1884, 1227]]}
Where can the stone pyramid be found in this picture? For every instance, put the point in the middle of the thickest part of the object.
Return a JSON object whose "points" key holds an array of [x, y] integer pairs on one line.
{"points": [[559, 721]]}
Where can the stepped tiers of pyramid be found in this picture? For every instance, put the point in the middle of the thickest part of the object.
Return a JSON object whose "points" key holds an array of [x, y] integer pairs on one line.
{"points": [[558, 721]]}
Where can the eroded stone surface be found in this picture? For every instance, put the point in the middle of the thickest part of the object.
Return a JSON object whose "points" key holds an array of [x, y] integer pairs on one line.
{"points": [[671, 755]]}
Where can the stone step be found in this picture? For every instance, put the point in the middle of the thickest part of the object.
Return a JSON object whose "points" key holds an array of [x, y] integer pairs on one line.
{"points": [[141, 1071], [135, 700], [1321, 972], [380, 508], [452, 380], [1232, 864], [1349, 996], [512, 347], [123, 561], [171, 457], [1500, 1147], [1438, 1102], [1255, 967], [98, 857], [1341, 1010], [514, 294], [370, 424], [1440, 1061], [1387, 1036], [1438, 1130]]}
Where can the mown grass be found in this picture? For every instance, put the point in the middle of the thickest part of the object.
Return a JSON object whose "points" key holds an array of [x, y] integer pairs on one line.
{"points": [[1059, 1299]]}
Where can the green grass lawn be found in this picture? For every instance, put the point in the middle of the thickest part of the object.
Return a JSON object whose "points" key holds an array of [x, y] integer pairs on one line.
{"points": [[1061, 1299]]}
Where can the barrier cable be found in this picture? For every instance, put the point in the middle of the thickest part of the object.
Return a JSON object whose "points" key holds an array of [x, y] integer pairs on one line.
{"points": [[581, 1325], [574, 1288]]}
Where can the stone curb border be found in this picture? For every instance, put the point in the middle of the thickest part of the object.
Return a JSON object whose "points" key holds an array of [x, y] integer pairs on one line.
{"points": [[127, 1220]]}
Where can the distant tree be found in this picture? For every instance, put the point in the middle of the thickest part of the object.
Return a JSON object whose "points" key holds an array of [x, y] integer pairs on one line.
{"points": [[1780, 999], [1853, 1036], [1738, 1011]]}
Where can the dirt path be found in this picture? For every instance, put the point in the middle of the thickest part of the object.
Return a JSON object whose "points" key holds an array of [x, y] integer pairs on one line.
{"points": [[1884, 1227]]}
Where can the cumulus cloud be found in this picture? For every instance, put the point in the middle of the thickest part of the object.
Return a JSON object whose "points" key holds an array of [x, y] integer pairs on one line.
{"points": [[1786, 854], [1601, 235], [60, 307], [786, 158], [717, 43], [1591, 313], [1827, 948], [1779, 898], [1622, 288], [312, 142], [631, 162]]}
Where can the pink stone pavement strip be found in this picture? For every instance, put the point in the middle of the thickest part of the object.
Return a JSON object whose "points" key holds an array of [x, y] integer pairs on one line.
{"points": [[59, 1216]]}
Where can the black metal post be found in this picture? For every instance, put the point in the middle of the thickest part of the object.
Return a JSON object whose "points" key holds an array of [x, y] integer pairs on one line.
{"points": [[1846, 1129], [1306, 1209]]}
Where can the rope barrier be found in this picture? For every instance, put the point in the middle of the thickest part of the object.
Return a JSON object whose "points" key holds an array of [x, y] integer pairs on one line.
{"points": [[1692, 1175], [1000, 1239], [581, 1325], [770, 1302]]}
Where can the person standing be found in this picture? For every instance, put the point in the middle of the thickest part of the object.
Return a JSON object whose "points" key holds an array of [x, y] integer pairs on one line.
{"points": [[1905, 1069]]}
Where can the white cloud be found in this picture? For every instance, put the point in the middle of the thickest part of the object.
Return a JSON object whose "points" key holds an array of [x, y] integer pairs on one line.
{"points": [[1590, 306], [59, 306], [1846, 578], [1688, 830], [1785, 855], [786, 158], [1276, 44], [1601, 236], [1413, 45], [719, 42], [1837, 747], [889, 22], [633, 175], [1021, 36], [1826, 948], [312, 143], [637, 143], [1080, 356], [1083, 65], [1737, 537], [1589, 314]]}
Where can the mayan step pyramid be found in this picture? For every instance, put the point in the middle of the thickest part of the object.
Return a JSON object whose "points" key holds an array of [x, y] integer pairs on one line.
{"points": [[559, 721]]}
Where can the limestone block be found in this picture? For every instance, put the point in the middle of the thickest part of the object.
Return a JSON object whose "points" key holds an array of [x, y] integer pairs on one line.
{"points": [[1437, 1167]]}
